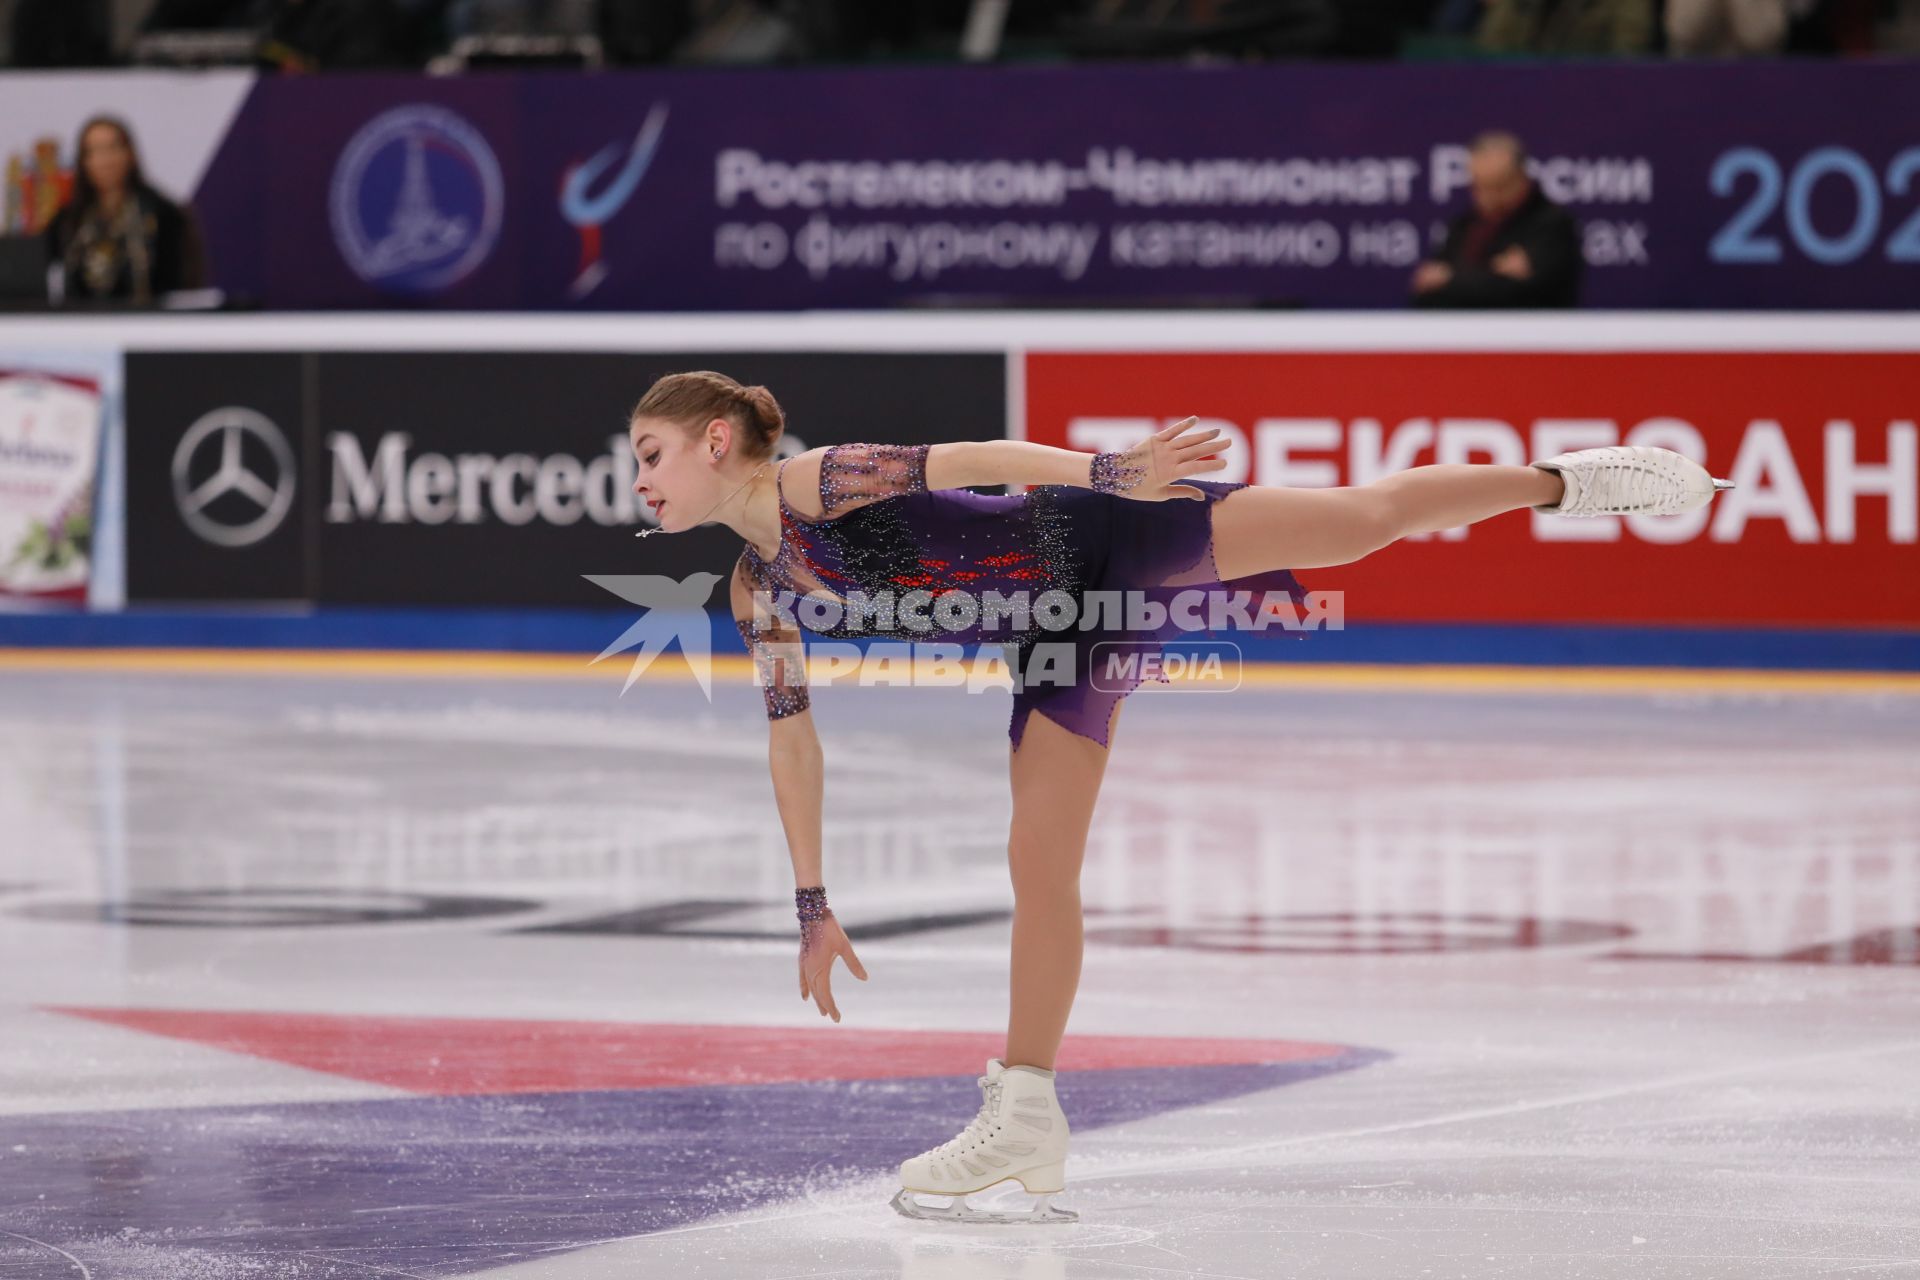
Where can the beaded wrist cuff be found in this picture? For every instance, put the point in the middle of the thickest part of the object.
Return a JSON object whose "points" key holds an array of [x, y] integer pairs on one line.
{"points": [[811, 905], [1111, 474]]}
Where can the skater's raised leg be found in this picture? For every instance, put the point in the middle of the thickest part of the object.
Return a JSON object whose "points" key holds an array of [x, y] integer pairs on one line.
{"points": [[1259, 529]]}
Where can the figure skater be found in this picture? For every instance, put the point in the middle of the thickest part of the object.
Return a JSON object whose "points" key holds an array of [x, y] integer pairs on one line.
{"points": [[878, 518]]}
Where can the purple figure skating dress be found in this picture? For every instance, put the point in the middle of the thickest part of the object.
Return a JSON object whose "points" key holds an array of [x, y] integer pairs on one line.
{"points": [[882, 531]]}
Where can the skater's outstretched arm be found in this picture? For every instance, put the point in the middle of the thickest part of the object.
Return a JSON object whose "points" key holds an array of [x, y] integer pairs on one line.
{"points": [[797, 764], [1147, 471]]}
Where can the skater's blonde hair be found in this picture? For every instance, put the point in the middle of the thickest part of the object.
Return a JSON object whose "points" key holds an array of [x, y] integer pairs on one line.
{"points": [[691, 400]]}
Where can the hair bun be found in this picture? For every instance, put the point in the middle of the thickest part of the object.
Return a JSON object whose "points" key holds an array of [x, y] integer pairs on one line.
{"points": [[766, 410], [690, 399]]}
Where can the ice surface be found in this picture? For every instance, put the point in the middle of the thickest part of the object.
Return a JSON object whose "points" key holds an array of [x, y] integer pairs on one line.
{"points": [[1574, 984]]}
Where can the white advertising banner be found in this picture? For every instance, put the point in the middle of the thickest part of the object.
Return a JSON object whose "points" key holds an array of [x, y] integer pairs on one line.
{"points": [[50, 429]]}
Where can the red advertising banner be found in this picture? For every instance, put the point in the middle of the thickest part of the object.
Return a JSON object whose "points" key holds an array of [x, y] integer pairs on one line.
{"points": [[1821, 531]]}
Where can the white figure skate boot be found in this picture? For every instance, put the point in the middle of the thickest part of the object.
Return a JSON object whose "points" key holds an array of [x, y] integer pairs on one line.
{"points": [[1630, 480], [1019, 1135]]}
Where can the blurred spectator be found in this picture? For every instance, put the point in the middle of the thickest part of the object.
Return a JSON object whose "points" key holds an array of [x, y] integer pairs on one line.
{"points": [[60, 33], [1514, 248], [1728, 28], [207, 15], [644, 32], [1240, 28], [332, 35], [1835, 27], [1457, 17], [1568, 26], [1373, 28], [522, 17], [420, 28], [312, 35], [848, 30], [1898, 30], [118, 238], [743, 31]]}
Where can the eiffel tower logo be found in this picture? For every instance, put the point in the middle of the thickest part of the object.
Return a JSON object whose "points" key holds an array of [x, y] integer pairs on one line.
{"points": [[417, 232], [443, 213]]}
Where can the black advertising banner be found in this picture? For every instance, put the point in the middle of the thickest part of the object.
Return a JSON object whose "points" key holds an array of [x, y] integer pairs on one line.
{"points": [[502, 478], [217, 496]]}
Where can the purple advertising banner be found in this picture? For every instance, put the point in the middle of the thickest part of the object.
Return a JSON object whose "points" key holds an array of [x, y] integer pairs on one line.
{"points": [[1770, 185]]}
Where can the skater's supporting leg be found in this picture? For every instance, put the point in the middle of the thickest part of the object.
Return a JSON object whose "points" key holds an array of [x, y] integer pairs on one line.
{"points": [[1259, 529], [1056, 778], [1020, 1135]]}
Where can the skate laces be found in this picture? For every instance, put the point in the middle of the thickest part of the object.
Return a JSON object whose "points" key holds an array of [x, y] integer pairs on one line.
{"points": [[1636, 478], [982, 1123], [1623, 481]]}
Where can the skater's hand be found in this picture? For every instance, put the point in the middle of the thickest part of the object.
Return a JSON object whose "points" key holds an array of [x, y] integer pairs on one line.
{"points": [[1431, 276], [820, 942], [1175, 453], [1513, 262]]}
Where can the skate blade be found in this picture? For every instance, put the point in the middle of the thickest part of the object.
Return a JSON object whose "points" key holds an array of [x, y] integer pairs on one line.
{"points": [[958, 1210], [1721, 486]]}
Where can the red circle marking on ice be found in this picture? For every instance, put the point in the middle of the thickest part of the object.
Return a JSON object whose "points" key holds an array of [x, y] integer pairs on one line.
{"points": [[487, 1055]]}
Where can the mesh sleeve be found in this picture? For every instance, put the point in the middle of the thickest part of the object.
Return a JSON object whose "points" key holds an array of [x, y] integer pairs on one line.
{"points": [[780, 666], [855, 474]]}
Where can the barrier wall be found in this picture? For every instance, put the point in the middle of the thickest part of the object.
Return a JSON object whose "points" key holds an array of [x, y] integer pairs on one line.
{"points": [[1749, 185], [479, 462], [466, 478]]}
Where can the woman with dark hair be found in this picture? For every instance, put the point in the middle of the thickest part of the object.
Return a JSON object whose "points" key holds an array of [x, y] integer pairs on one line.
{"points": [[118, 238]]}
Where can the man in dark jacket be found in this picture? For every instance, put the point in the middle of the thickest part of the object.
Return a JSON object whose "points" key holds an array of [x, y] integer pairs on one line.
{"points": [[1514, 248]]}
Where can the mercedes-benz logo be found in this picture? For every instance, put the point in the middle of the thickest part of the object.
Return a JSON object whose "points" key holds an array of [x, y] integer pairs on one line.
{"points": [[229, 428]]}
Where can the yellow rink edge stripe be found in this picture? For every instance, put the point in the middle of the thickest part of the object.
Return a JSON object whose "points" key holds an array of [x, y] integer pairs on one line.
{"points": [[440, 663]]}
